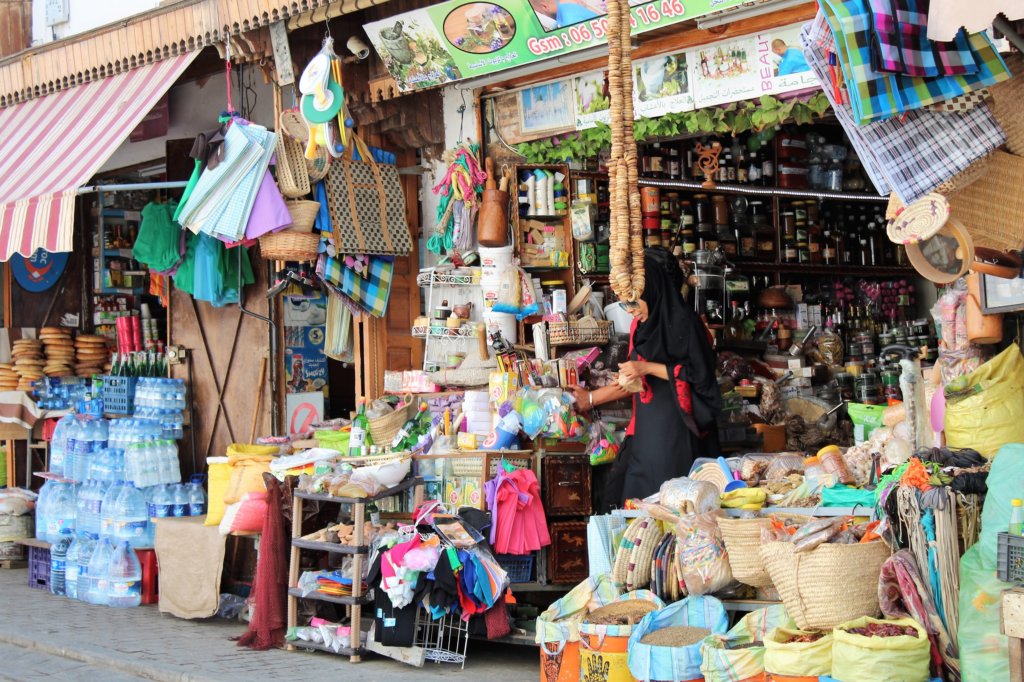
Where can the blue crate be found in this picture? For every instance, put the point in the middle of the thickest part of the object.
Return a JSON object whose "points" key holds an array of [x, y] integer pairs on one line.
{"points": [[519, 568], [119, 394]]}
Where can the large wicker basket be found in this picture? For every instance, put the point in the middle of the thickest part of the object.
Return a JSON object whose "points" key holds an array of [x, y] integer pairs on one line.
{"points": [[289, 245], [743, 542], [384, 429], [593, 332], [828, 585], [303, 213]]}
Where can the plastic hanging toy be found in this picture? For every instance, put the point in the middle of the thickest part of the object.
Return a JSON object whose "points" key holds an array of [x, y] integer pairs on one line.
{"points": [[323, 102]]}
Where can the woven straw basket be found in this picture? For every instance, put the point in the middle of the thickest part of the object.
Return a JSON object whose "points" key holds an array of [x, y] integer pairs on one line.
{"points": [[571, 333], [292, 176], [303, 213], [991, 206], [384, 429], [743, 541], [828, 585], [318, 167], [1006, 105], [289, 245]]}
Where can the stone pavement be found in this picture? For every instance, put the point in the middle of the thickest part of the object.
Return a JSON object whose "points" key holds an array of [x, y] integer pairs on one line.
{"points": [[43, 636]]}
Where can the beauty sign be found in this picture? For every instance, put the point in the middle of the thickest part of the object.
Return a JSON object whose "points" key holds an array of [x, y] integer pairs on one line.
{"points": [[456, 40]]}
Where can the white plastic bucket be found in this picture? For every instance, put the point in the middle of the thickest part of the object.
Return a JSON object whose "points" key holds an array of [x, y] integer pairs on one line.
{"points": [[495, 257], [620, 319], [503, 322], [490, 285]]}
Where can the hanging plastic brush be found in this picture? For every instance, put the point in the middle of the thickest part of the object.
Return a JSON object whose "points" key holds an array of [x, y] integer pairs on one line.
{"points": [[460, 191]]}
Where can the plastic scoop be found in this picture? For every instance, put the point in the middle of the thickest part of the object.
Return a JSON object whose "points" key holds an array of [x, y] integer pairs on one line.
{"points": [[734, 483]]}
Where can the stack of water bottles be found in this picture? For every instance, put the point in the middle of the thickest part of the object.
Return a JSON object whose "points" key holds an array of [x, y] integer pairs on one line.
{"points": [[162, 400], [60, 393]]}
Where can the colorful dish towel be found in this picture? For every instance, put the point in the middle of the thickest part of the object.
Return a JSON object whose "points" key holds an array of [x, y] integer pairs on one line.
{"points": [[913, 155]]}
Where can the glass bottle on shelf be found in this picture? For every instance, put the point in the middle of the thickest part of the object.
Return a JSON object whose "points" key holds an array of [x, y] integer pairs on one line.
{"points": [[735, 329], [767, 171], [754, 169], [828, 248], [730, 167], [790, 253], [724, 163], [674, 168], [657, 161], [727, 241]]}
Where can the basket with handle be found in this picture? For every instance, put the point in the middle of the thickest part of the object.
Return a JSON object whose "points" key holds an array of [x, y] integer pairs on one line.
{"points": [[289, 245], [292, 176], [303, 213], [383, 429], [596, 332], [742, 539], [828, 585]]}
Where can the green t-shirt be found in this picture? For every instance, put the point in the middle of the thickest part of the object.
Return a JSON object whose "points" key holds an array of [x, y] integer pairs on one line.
{"points": [[158, 243]]}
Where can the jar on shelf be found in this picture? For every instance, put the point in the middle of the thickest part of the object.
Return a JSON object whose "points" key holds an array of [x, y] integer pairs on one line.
{"points": [[792, 175], [720, 210]]}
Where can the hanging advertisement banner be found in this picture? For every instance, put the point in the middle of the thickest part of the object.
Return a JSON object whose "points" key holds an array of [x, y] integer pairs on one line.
{"points": [[456, 40]]}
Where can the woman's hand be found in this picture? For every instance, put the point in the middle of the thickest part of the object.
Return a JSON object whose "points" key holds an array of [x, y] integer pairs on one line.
{"points": [[634, 370], [584, 400]]}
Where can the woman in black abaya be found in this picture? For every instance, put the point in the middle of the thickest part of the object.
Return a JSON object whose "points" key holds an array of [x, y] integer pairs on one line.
{"points": [[675, 413]]}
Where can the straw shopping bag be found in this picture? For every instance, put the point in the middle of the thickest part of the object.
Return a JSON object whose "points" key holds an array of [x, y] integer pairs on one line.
{"points": [[367, 205], [828, 585], [292, 176], [742, 539]]}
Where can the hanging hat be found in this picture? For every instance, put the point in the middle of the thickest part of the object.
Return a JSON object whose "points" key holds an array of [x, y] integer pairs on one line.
{"points": [[919, 221]]}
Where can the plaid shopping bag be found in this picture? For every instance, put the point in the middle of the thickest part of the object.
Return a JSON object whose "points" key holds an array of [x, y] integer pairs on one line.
{"points": [[371, 293], [910, 156]]}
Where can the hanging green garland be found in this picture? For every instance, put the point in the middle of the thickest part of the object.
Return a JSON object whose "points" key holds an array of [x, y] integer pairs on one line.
{"points": [[733, 119]]}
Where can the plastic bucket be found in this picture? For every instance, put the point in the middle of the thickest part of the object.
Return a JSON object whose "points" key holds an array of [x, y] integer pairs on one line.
{"points": [[496, 257], [604, 659], [560, 661], [620, 319], [503, 322], [490, 285]]}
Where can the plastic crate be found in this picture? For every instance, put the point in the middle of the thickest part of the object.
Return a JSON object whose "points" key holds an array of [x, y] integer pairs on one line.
{"points": [[119, 394], [519, 568], [1010, 551], [39, 568]]}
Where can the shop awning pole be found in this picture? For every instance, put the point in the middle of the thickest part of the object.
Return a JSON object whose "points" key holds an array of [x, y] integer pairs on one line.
{"points": [[131, 187]]}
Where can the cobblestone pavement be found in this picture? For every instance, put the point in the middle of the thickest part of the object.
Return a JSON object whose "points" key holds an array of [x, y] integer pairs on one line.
{"points": [[43, 636]]}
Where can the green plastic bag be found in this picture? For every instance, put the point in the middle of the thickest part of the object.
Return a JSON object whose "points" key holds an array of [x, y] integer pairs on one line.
{"points": [[856, 658], [988, 412], [865, 418], [845, 496], [722, 663], [797, 659]]}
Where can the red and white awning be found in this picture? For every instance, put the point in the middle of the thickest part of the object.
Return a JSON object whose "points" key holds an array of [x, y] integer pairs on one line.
{"points": [[51, 146]]}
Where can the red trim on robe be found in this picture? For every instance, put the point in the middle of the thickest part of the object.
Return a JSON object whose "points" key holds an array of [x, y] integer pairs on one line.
{"points": [[683, 391]]}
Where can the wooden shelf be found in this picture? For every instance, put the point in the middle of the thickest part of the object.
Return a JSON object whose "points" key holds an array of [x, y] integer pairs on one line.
{"points": [[404, 485], [753, 190], [319, 596], [330, 547], [821, 269]]}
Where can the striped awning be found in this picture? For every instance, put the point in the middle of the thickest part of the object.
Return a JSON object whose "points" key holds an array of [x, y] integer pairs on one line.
{"points": [[52, 145]]}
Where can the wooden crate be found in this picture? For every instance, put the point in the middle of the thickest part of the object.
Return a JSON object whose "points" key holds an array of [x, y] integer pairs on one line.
{"points": [[567, 555]]}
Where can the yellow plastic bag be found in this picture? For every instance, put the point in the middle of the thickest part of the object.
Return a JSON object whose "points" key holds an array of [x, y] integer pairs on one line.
{"points": [[796, 659], [248, 464], [218, 473], [991, 414], [856, 658], [738, 656]]}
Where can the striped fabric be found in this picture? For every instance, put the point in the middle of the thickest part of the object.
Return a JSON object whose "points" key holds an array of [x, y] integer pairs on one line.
{"points": [[51, 146]]}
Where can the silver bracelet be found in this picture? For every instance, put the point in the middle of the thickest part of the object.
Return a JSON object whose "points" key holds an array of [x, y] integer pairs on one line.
{"points": [[590, 396]]}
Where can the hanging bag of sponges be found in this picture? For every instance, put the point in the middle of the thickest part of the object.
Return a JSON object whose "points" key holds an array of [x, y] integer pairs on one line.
{"points": [[626, 251]]}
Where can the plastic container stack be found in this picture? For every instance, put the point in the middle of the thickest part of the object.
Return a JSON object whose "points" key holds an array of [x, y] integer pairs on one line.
{"points": [[162, 401]]}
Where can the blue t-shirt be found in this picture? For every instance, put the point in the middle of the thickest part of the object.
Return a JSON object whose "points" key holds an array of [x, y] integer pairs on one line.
{"points": [[793, 62]]}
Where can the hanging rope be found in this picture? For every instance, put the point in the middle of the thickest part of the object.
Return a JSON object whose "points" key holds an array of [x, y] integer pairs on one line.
{"points": [[626, 243]]}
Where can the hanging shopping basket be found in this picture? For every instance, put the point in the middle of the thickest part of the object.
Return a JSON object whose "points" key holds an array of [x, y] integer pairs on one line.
{"points": [[289, 245], [320, 165], [293, 125], [303, 213], [742, 539], [292, 178]]}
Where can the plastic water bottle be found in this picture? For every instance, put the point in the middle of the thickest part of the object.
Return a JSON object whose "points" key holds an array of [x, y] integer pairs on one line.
{"points": [[86, 546], [162, 503], [58, 563], [180, 507], [71, 566], [132, 518], [108, 509], [196, 497], [99, 563], [124, 578], [60, 512], [58, 443], [43, 503]]}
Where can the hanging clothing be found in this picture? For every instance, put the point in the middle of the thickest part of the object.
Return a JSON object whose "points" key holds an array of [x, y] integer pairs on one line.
{"points": [[210, 271], [674, 421], [518, 523], [158, 244]]}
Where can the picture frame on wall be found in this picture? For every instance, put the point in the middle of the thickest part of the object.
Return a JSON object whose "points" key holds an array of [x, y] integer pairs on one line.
{"points": [[547, 108], [1001, 295]]}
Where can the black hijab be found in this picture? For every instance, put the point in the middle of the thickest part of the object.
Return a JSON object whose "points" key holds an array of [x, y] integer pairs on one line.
{"points": [[674, 335]]}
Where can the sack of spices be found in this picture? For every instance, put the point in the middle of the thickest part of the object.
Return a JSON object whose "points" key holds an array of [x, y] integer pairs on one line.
{"points": [[739, 654], [665, 645], [873, 649], [791, 654], [702, 555]]}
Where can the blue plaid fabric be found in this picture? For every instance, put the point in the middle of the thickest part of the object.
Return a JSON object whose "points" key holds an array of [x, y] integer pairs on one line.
{"points": [[373, 291], [910, 156], [875, 95]]}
